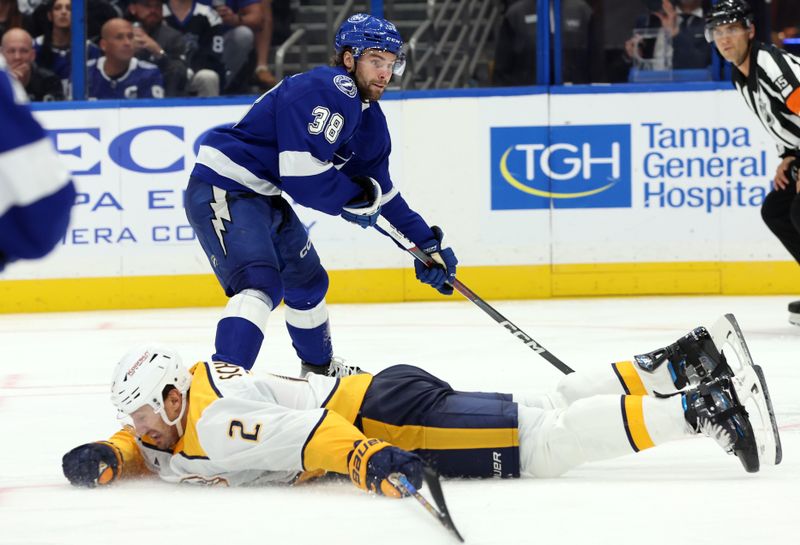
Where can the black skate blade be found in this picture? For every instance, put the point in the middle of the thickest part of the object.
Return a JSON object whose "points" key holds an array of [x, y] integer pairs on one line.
{"points": [[765, 390]]}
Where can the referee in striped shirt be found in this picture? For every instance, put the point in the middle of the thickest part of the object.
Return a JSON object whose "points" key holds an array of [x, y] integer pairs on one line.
{"points": [[768, 79]]}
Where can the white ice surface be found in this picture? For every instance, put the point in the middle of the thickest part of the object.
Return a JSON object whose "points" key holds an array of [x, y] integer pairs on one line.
{"points": [[53, 395]]}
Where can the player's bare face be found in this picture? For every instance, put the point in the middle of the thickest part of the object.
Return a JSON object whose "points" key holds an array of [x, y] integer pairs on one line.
{"points": [[147, 422], [373, 73], [733, 41]]}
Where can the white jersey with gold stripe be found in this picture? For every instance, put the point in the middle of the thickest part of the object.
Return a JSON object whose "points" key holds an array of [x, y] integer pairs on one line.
{"points": [[242, 429]]}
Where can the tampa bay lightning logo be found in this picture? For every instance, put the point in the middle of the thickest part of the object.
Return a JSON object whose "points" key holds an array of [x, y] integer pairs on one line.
{"points": [[346, 85], [358, 17]]}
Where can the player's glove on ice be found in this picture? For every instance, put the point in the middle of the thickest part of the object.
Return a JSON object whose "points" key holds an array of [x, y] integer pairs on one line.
{"points": [[443, 272], [364, 209], [91, 464], [372, 461]]}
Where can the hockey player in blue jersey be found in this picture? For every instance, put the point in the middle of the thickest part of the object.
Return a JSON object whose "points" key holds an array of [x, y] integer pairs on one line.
{"points": [[321, 138], [36, 193]]}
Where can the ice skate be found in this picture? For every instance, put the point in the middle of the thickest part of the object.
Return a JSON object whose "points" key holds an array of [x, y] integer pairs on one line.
{"points": [[336, 368], [750, 386], [691, 359], [794, 313], [713, 409]]}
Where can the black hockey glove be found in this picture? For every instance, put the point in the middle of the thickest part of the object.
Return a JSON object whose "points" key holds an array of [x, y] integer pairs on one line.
{"points": [[91, 464], [364, 209], [442, 274], [372, 461]]}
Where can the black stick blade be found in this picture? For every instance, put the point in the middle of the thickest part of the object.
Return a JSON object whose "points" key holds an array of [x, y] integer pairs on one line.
{"points": [[435, 488]]}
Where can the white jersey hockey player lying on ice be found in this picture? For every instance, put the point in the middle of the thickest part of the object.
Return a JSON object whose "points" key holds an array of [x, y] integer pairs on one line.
{"points": [[218, 424]]}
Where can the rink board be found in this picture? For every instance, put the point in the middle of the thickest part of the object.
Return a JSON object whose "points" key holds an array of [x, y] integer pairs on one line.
{"points": [[540, 195]]}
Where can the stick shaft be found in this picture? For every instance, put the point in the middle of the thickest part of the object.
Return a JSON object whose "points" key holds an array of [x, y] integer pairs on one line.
{"points": [[459, 286]]}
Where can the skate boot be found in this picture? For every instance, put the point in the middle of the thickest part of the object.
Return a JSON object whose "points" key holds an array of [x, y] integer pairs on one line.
{"points": [[690, 359], [336, 368], [794, 313], [713, 409]]}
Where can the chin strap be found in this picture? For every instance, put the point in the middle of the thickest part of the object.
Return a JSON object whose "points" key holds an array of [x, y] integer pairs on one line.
{"points": [[177, 421]]}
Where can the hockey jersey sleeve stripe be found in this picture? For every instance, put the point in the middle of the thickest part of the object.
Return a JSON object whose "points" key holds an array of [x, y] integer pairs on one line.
{"points": [[430, 438], [201, 395], [301, 163], [346, 398], [627, 375], [633, 419], [29, 173], [330, 443], [389, 195], [787, 73], [793, 101], [221, 164]]}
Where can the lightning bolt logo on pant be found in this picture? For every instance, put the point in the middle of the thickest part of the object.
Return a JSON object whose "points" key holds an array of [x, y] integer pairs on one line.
{"points": [[221, 212]]}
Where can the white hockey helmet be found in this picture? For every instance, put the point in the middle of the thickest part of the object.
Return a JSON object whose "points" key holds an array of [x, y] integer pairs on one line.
{"points": [[141, 376]]}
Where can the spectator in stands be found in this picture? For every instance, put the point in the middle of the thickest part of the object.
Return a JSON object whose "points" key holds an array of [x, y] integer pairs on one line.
{"points": [[241, 20], [156, 42], [118, 74], [203, 31], [264, 77], [53, 48], [515, 53], [785, 21], [12, 17], [617, 19], [278, 17], [681, 39], [40, 84], [27, 7]]}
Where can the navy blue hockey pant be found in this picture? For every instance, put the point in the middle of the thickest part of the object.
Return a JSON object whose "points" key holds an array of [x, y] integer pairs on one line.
{"points": [[460, 434]]}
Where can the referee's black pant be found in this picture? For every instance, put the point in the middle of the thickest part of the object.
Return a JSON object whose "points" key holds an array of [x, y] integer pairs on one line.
{"points": [[781, 213]]}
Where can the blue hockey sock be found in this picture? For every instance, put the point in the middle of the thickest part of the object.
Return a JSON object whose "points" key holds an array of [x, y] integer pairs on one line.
{"points": [[311, 333], [240, 332]]}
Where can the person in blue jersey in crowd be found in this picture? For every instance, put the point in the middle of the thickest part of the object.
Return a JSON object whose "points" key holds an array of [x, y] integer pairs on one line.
{"points": [[321, 138], [36, 193], [118, 74]]}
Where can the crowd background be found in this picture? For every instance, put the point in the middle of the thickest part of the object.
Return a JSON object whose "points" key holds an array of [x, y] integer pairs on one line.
{"points": [[179, 48]]}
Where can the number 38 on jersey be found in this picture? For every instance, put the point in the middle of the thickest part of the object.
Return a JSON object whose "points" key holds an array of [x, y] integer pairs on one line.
{"points": [[324, 122]]}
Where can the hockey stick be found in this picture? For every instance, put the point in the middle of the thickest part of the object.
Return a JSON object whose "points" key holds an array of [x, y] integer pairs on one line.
{"points": [[411, 248], [432, 480]]}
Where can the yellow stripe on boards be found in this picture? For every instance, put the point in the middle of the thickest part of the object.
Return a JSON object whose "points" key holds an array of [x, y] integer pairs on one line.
{"points": [[397, 285], [631, 378], [634, 412], [421, 437]]}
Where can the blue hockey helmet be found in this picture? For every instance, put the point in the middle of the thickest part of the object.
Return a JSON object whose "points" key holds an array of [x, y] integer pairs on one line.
{"points": [[726, 12], [363, 31]]}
